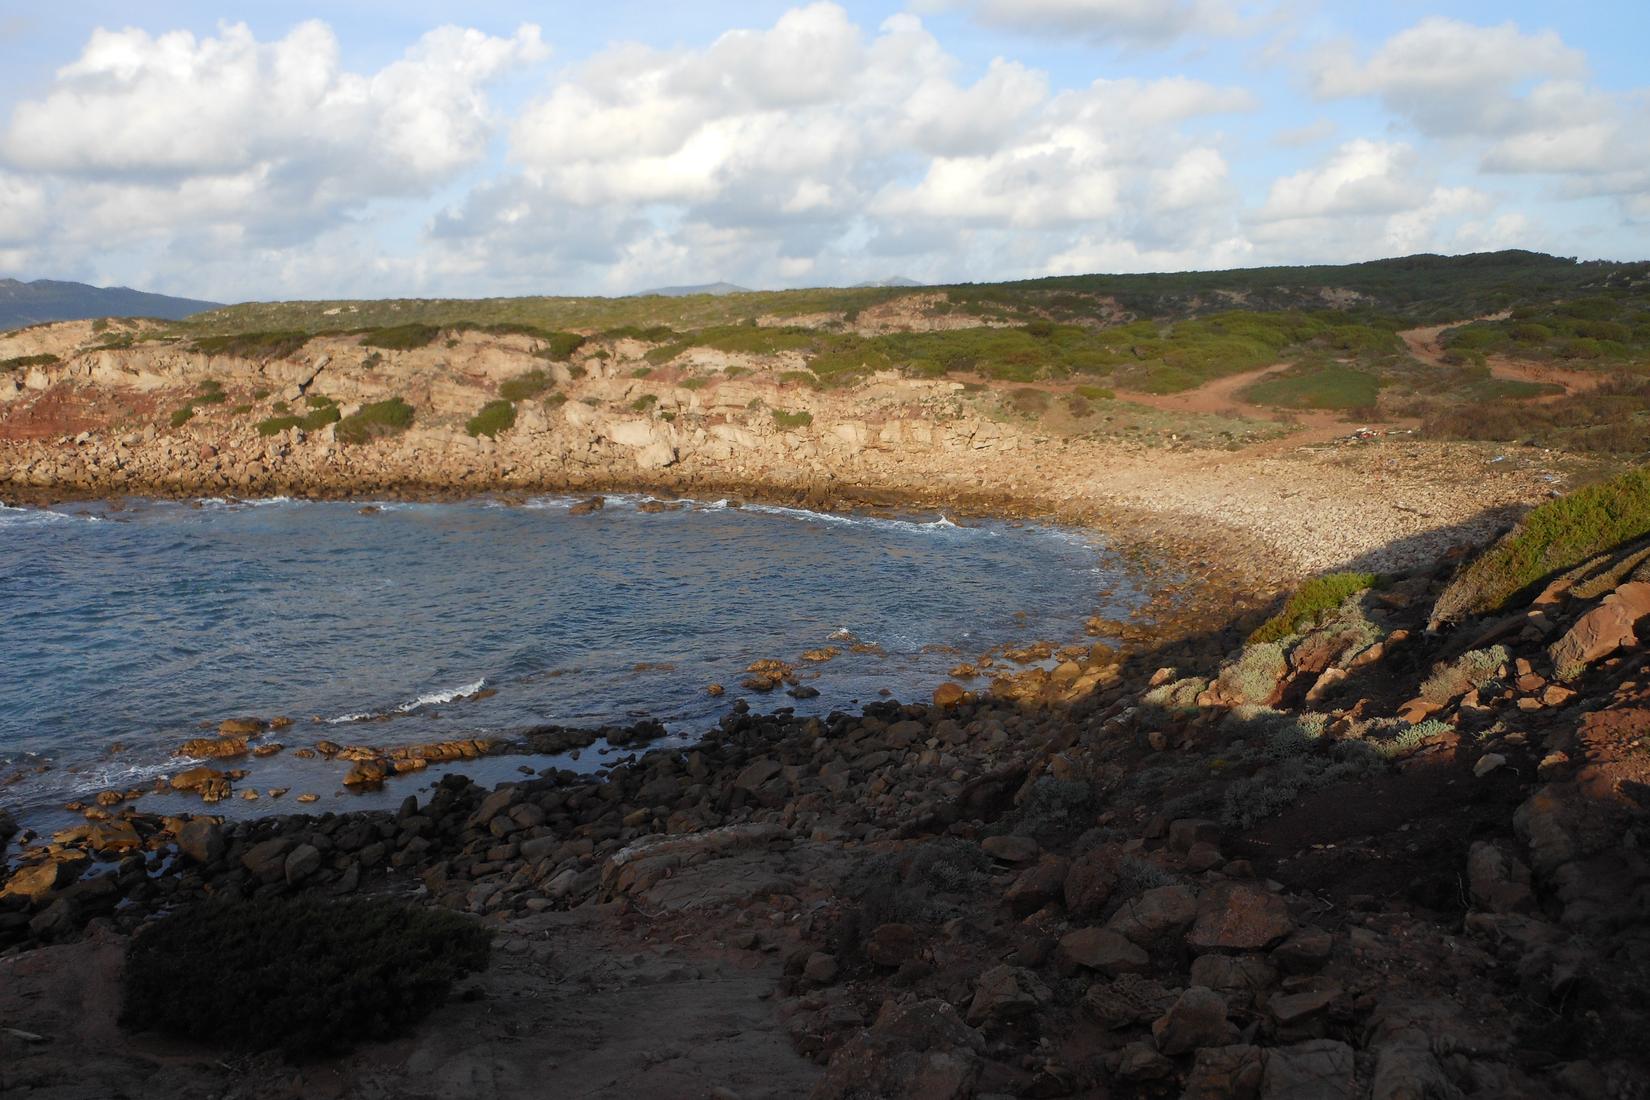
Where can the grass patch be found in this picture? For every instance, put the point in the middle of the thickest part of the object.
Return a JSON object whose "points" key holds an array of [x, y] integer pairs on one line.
{"points": [[524, 386], [1310, 602], [494, 417], [22, 362], [182, 416], [1553, 537], [560, 346], [788, 420], [401, 337], [645, 402], [253, 345], [318, 401], [308, 977], [312, 421], [1317, 386], [375, 421]]}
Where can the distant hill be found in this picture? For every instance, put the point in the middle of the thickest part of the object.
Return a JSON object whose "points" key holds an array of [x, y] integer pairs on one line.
{"points": [[53, 300], [688, 291], [892, 280]]}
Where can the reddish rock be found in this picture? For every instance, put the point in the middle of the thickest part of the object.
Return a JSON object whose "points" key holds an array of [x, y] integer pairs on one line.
{"points": [[1602, 631], [1197, 1019], [1239, 917], [1103, 950]]}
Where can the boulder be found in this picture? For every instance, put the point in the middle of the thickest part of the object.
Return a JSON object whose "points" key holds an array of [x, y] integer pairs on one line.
{"points": [[1011, 849], [242, 727], [1239, 917], [1320, 1069], [1127, 1000], [1225, 1073], [301, 862], [1103, 950], [267, 860], [35, 882], [1602, 631], [1154, 914], [1037, 886], [948, 695], [1090, 881], [919, 1050], [213, 748], [1006, 993], [1197, 1019], [891, 944]]}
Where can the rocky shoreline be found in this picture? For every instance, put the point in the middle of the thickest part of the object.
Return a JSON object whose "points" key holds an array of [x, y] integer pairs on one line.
{"points": [[1362, 861]]}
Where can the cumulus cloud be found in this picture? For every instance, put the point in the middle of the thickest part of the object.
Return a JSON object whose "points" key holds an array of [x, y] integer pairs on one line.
{"points": [[226, 140], [1124, 22], [796, 147]]}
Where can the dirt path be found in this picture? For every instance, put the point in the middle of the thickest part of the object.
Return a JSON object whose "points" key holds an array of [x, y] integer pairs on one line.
{"points": [[1423, 344]]}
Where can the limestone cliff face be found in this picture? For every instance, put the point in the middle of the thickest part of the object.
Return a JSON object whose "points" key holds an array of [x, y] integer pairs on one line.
{"points": [[99, 420]]}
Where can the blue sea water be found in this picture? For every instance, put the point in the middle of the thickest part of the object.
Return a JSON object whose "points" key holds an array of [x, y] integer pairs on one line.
{"points": [[134, 625]]}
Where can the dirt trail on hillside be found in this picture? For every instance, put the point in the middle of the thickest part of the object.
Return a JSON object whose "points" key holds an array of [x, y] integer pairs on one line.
{"points": [[1423, 343]]}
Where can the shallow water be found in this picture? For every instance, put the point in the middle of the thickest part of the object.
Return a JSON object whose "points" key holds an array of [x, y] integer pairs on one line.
{"points": [[139, 624]]}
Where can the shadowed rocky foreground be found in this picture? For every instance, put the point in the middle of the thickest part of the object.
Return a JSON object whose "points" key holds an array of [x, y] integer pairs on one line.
{"points": [[1361, 860]]}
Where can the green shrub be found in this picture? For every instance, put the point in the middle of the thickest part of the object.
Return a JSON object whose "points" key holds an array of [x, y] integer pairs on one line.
{"points": [[1553, 537], [1467, 672], [788, 420], [21, 362], [318, 401], [240, 410], [182, 416], [1310, 602], [259, 395], [1317, 386], [253, 345], [693, 383], [1096, 393], [381, 418], [309, 422], [555, 401], [308, 977], [401, 337], [524, 386], [645, 402], [494, 417], [560, 346]]}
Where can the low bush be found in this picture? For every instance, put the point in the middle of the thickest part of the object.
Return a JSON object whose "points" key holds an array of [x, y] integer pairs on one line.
{"points": [[253, 345], [1317, 386], [560, 346], [524, 386], [381, 418], [308, 977], [21, 362], [788, 420], [182, 416], [494, 417], [1553, 537], [401, 337], [1310, 602], [318, 401], [645, 402], [309, 422]]}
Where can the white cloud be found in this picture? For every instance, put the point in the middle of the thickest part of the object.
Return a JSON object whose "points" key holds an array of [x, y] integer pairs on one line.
{"points": [[1127, 22], [810, 138]]}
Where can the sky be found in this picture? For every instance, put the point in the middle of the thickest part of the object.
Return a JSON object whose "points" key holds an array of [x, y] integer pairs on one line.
{"points": [[378, 149]]}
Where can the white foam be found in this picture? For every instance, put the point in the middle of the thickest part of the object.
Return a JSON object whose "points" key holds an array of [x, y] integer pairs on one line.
{"points": [[429, 699]]}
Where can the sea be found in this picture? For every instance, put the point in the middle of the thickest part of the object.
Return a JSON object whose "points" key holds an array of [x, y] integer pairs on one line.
{"points": [[128, 627]]}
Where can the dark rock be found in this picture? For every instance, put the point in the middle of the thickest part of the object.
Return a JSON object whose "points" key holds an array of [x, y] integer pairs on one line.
{"points": [[1320, 1069], [1239, 917], [1197, 1019], [202, 840], [919, 1050]]}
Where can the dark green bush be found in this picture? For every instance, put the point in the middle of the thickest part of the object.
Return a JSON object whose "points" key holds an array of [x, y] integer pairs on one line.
{"points": [[789, 420], [310, 422], [253, 345], [1310, 601], [401, 337], [305, 976], [381, 418], [1556, 536], [21, 361], [182, 416], [318, 401], [523, 386], [494, 417], [560, 346], [645, 402]]}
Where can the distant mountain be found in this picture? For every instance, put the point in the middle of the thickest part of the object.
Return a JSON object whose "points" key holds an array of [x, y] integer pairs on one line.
{"points": [[51, 300], [892, 280], [684, 291]]}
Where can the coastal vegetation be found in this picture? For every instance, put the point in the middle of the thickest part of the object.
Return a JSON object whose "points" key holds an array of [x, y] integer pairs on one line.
{"points": [[22, 362], [494, 417], [301, 975], [1310, 602], [524, 386], [375, 421], [312, 421], [1553, 537]]}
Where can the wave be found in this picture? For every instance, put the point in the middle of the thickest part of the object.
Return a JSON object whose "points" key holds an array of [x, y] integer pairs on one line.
{"points": [[11, 516], [839, 519], [429, 699]]}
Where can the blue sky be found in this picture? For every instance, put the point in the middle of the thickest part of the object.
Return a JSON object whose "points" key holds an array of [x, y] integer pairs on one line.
{"points": [[413, 148]]}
